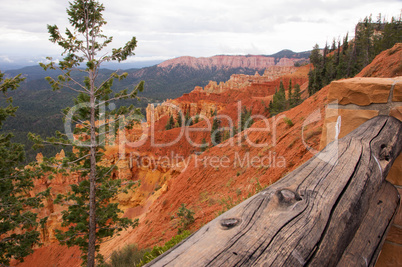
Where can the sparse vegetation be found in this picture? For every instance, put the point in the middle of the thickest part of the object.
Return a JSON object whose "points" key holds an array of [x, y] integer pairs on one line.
{"points": [[312, 133], [156, 251], [258, 186], [157, 187], [204, 196], [227, 204], [131, 256], [288, 121], [291, 144], [128, 256], [238, 191], [186, 217]]}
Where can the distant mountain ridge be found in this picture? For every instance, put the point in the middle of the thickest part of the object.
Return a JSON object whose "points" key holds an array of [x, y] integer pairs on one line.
{"points": [[282, 58], [290, 54]]}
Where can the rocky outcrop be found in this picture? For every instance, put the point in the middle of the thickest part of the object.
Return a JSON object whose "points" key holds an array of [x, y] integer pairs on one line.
{"points": [[241, 81], [361, 91], [214, 96], [204, 108], [151, 173], [357, 100]]}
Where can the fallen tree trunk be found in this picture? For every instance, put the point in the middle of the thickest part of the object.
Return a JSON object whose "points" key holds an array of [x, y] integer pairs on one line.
{"points": [[334, 209]]}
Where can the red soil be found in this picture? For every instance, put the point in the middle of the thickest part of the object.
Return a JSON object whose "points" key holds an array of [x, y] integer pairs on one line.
{"points": [[206, 187], [387, 64]]}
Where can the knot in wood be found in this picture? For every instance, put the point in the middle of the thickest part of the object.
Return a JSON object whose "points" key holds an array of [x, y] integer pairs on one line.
{"points": [[385, 153], [288, 196], [229, 223]]}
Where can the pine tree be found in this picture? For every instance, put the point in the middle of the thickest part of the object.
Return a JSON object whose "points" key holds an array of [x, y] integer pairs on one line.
{"points": [[345, 45], [341, 67], [297, 96], [234, 131], [290, 94], [245, 119], [216, 134], [204, 145], [170, 123], [196, 119], [351, 57], [188, 120], [315, 75], [392, 34], [90, 217], [333, 47], [226, 136], [178, 119], [18, 224], [316, 57], [364, 44], [278, 103], [281, 97]]}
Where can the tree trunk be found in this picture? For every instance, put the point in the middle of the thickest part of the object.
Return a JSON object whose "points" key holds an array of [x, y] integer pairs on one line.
{"points": [[92, 180], [334, 209]]}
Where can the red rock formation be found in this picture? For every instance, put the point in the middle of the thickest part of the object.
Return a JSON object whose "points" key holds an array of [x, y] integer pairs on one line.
{"points": [[207, 187], [164, 171], [250, 89]]}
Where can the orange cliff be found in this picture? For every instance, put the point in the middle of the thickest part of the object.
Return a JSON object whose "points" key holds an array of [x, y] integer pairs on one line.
{"points": [[212, 181], [158, 167]]}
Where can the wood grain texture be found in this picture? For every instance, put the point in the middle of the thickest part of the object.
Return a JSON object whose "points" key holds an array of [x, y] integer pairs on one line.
{"points": [[369, 238], [311, 216]]}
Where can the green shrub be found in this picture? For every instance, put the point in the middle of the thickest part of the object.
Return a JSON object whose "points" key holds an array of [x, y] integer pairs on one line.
{"points": [[186, 217], [288, 121], [157, 251], [128, 256], [131, 256]]}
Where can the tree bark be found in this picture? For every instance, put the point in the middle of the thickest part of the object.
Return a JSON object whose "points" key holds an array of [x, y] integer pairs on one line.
{"points": [[92, 179], [326, 212]]}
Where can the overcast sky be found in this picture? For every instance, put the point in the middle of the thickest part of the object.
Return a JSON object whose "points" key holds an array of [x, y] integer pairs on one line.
{"points": [[172, 28]]}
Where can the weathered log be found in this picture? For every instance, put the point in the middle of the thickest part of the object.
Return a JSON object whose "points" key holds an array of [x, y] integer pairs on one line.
{"points": [[369, 238], [323, 213]]}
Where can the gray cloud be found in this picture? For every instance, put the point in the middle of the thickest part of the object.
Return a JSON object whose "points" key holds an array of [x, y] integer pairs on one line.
{"points": [[173, 28]]}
